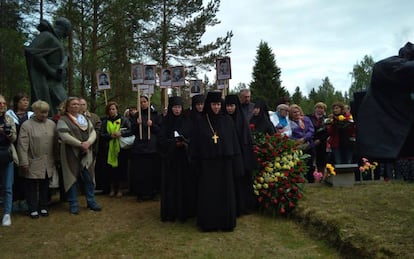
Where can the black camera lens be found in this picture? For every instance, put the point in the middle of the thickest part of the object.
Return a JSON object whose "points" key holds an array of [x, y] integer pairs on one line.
{"points": [[7, 129]]}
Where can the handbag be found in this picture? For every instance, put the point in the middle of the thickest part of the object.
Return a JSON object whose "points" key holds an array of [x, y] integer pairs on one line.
{"points": [[127, 142], [5, 156]]}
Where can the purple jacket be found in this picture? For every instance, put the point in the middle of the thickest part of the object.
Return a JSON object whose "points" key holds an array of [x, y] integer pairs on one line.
{"points": [[306, 133]]}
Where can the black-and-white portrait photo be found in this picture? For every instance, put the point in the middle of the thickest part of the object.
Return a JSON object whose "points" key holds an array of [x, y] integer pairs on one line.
{"points": [[178, 78], [103, 80], [137, 73], [149, 74], [165, 77], [195, 86], [223, 68]]}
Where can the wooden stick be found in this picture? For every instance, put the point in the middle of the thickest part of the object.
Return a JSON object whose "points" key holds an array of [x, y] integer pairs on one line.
{"points": [[106, 98], [139, 111], [149, 114]]}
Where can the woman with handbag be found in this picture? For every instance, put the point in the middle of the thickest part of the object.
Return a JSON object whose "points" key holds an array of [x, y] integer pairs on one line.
{"points": [[7, 137], [115, 159]]}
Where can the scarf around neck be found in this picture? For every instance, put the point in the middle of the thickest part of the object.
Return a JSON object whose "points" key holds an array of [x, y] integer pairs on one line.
{"points": [[114, 147]]}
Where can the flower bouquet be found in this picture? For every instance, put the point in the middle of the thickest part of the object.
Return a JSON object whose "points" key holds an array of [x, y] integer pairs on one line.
{"points": [[340, 121], [367, 169], [278, 181]]}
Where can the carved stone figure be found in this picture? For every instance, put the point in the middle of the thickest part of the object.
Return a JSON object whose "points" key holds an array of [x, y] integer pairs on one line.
{"points": [[47, 62]]}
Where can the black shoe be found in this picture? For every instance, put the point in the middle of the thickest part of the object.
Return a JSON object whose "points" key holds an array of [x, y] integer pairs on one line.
{"points": [[44, 213], [94, 207], [34, 215]]}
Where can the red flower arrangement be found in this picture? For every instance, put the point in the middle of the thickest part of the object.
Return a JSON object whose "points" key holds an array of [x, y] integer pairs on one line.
{"points": [[278, 181]]}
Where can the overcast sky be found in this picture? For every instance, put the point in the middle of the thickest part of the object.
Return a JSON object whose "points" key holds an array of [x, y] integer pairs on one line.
{"points": [[313, 39]]}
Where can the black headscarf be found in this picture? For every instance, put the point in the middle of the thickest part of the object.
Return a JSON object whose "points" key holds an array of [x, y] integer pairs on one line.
{"points": [[262, 121], [199, 98], [243, 131], [212, 97]]}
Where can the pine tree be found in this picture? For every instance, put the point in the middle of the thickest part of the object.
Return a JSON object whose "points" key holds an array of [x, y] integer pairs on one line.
{"points": [[13, 73], [361, 75], [266, 84], [174, 35]]}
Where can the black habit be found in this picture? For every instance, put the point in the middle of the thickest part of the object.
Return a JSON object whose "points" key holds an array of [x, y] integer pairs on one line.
{"points": [[177, 180], [215, 160]]}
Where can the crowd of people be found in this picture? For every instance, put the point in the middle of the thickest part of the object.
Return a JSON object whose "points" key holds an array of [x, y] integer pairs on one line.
{"points": [[198, 162]]}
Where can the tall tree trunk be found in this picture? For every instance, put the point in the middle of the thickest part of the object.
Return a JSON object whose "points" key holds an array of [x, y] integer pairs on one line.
{"points": [[94, 54]]}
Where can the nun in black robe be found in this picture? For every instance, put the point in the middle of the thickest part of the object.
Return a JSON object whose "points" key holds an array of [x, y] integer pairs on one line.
{"points": [[261, 119], [386, 115], [243, 179], [177, 180], [197, 105], [214, 146], [145, 159]]}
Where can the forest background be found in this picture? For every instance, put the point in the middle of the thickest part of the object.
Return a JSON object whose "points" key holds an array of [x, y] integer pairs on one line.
{"points": [[111, 35]]}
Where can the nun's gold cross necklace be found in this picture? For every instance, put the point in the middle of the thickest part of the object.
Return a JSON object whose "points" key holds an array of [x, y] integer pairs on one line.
{"points": [[215, 137]]}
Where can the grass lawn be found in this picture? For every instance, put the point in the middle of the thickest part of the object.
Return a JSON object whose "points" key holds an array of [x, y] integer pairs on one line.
{"points": [[368, 220], [372, 219], [128, 229]]}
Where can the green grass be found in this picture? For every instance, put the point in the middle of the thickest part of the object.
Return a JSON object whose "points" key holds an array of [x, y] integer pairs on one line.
{"points": [[128, 229], [370, 220]]}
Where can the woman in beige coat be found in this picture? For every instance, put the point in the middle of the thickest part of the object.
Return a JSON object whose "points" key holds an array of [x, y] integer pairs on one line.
{"points": [[36, 149]]}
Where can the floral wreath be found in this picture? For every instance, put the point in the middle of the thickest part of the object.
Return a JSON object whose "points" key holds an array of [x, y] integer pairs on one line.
{"points": [[278, 181]]}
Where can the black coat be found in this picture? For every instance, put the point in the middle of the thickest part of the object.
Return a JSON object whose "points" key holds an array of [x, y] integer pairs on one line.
{"points": [[145, 145], [386, 115]]}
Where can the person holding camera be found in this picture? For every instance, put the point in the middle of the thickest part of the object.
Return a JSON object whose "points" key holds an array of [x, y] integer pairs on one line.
{"points": [[7, 152]]}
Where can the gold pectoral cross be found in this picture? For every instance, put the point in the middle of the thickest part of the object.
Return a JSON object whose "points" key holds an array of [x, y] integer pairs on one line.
{"points": [[215, 137]]}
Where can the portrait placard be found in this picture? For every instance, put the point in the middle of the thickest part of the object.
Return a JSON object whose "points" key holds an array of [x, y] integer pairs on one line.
{"points": [[222, 84], [149, 74], [103, 80], [165, 78], [137, 73], [145, 89], [195, 87], [223, 68], [178, 76]]}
